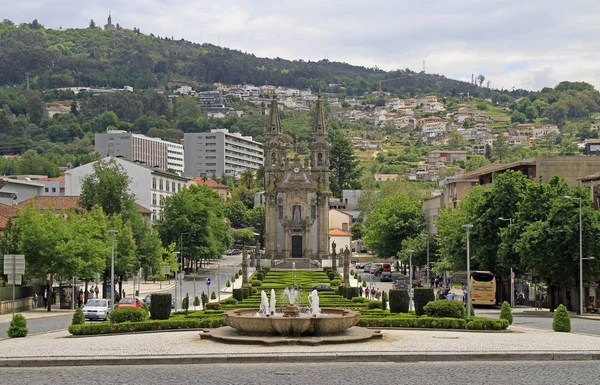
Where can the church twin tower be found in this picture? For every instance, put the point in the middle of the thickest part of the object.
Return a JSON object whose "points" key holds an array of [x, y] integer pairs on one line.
{"points": [[296, 193]]}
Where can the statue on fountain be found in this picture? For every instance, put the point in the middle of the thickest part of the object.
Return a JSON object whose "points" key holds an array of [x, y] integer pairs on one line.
{"points": [[333, 257]]}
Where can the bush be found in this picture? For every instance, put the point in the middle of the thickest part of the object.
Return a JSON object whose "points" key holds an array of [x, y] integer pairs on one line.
{"points": [[421, 297], [332, 275], [78, 318], [160, 305], [351, 272], [259, 276], [256, 283], [204, 299], [360, 279], [240, 272], [374, 305], [18, 327], [561, 321], [399, 301], [359, 299], [196, 301], [364, 283], [185, 304], [327, 269], [245, 292], [146, 307], [505, 312], [476, 323], [238, 294], [229, 301], [253, 290], [341, 290], [213, 306], [266, 269], [236, 276], [384, 299], [128, 314], [335, 282], [213, 295], [351, 292], [445, 309], [228, 284], [184, 323]]}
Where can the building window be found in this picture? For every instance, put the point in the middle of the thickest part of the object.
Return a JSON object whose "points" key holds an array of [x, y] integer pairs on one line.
{"points": [[153, 183], [160, 184], [344, 226], [320, 159], [173, 186], [53, 189], [162, 199], [178, 186], [46, 189], [280, 212], [154, 199], [313, 211], [296, 213], [167, 186]]}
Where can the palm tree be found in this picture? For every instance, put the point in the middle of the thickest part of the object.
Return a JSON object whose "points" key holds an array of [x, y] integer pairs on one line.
{"points": [[247, 178]]}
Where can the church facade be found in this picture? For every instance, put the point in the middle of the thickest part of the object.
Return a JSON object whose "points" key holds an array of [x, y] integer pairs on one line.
{"points": [[296, 192]]}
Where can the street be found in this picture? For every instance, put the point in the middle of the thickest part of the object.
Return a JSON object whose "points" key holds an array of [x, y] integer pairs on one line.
{"points": [[514, 372], [42, 325]]}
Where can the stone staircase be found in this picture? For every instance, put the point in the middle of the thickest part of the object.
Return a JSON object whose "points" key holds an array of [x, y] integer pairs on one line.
{"points": [[300, 264]]}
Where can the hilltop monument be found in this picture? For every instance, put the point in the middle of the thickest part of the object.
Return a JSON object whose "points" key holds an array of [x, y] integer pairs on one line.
{"points": [[296, 192]]}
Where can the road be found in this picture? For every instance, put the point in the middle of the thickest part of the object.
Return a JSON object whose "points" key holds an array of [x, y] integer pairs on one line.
{"points": [[42, 325], [316, 373]]}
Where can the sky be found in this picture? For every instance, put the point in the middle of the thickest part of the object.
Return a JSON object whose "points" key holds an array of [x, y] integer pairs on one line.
{"points": [[527, 44]]}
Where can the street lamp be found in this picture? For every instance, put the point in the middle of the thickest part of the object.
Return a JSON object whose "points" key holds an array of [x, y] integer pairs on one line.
{"points": [[181, 268], [580, 254], [176, 278], [512, 279], [112, 269], [410, 286], [468, 226]]}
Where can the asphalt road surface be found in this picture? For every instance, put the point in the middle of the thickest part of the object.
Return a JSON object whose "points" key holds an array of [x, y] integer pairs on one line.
{"points": [[421, 373], [42, 325]]}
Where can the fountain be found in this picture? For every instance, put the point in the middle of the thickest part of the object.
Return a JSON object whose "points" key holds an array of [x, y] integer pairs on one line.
{"points": [[313, 303]]}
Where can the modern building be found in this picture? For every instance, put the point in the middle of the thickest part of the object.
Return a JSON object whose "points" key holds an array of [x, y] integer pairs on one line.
{"points": [[14, 191], [152, 152], [219, 152], [149, 185]]}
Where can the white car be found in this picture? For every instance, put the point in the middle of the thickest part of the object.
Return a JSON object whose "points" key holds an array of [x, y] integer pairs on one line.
{"points": [[97, 308]]}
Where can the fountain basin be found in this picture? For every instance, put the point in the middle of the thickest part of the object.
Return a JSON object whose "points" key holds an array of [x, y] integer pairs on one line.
{"points": [[330, 321]]}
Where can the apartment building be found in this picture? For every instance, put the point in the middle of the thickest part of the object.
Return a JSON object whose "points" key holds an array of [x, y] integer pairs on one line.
{"points": [[219, 152], [152, 152]]}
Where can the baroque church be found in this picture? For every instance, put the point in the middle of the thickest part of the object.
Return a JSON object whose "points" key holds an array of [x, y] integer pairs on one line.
{"points": [[296, 192]]}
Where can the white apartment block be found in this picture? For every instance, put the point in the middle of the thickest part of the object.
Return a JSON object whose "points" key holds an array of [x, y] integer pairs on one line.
{"points": [[219, 152], [152, 152], [149, 185]]}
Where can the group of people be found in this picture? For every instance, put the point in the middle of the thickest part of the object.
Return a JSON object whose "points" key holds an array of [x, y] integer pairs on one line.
{"points": [[371, 293]]}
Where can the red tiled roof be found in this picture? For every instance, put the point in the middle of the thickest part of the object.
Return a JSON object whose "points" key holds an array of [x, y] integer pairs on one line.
{"points": [[59, 179], [209, 183], [339, 233], [3, 222], [60, 203], [8, 211]]}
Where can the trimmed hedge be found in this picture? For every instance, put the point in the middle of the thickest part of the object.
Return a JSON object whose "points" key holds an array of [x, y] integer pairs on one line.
{"points": [[399, 300], [213, 306], [561, 322], [341, 290], [160, 306], [359, 299], [445, 308], [256, 283], [505, 312], [384, 300], [238, 294], [128, 314], [18, 327], [474, 323], [374, 305], [197, 301], [266, 269], [259, 276], [351, 292], [421, 297], [335, 282], [245, 292], [229, 301], [129, 327], [78, 318]]}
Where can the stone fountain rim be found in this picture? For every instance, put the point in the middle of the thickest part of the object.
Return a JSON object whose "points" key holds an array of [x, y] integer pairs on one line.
{"points": [[340, 312]]}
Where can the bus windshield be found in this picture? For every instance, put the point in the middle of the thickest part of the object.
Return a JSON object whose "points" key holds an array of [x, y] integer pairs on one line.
{"points": [[481, 276]]}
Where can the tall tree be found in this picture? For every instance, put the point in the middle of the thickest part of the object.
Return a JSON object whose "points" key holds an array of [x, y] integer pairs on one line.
{"points": [[107, 187], [345, 173]]}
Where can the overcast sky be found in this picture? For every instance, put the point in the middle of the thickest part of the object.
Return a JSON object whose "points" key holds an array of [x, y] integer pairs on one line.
{"points": [[515, 43]]}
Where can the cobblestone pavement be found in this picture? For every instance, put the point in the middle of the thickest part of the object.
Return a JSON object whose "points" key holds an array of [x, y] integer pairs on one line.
{"points": [[505, 373]]}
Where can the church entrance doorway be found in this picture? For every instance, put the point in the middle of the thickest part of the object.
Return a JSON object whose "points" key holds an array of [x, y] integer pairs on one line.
{"points": [[297, 246]]}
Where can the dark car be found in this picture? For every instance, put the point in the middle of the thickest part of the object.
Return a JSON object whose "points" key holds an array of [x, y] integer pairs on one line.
{"points": [[234, 252], [400, 284], [322, 287], [386, 276]]}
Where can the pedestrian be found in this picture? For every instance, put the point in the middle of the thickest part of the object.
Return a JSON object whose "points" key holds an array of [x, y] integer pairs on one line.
{"points": [[124, 294], [96, 291], [45, 298], [372, 292], [80, 298], [35, 300], [367, 292], [360, 291], [378, 294], [437, 281], [539, 298]]}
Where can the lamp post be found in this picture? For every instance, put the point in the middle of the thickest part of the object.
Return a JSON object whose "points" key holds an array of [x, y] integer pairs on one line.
{"points": [[176, 278], [112, 269], [512, 279], [468, 226], [181, 268], [410, 286], [580, 255]]}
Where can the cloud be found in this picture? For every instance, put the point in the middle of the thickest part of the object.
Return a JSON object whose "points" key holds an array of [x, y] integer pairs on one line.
{"points": [[514, 43]]}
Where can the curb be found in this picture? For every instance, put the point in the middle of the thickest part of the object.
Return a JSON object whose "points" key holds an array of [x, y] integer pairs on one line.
{"points": [[303, 358]]}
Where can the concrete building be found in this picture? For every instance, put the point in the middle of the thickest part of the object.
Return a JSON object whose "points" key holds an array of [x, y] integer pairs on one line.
{"points": [[340, 230], [14, 191], [217, 153], [150, 186], [152, 152]]}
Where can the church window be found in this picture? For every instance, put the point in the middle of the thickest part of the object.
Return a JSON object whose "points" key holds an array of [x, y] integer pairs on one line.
{"points": [[320, 159], [273, 159], [296, 213], [313, 211], [280, 212]]}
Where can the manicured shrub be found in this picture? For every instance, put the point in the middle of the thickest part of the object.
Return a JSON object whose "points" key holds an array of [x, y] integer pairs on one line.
{"points": [[185, 304], [384, 300], [252, 290], [332, 275], [160, 305], [240, 272], [213, 295], [399, 301], [196, 301], [238, 294], [342, 291], [445, 309], [78, 318], [359, 299], [505, 312], [236, 276], [146, 307], [256, 283], [213, 306], [266, 269], [229, 301], [327, 269], [360, 279], [421, 297], [212, 321], [18, 327], [128, 314], [561, 321], [228, 284], [374, 305], [258, 276], [364, 283], [245, 292], [351, 272], [335, 282], [351, 292], [204, 298]]}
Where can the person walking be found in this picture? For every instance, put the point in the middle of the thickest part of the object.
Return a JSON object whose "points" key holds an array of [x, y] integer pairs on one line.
{"points": [[80, 298], [45, 298], [539, 299], [96, 291], [360, 291], [367, 292]]}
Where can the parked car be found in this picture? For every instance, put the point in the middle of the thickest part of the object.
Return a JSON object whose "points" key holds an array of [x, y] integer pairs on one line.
{"points": [[97, 308], [367, 267], [234, 252], [400, 284], [147, 299], [386, 276], [129, 302], [376, 270], [387, 267], [322, 287]]}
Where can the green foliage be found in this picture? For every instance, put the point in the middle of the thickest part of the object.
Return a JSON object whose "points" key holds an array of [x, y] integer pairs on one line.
{"points": [[227, 284], [256, 283], [421, 297], [506, 313], [375, 305], [107, 187], [245, 292], [399, 301], [146, 307], [18, 327], [344, 168], [335, 282], [78, 318], [266, 269], [238, 294], [213, 295], [229, 301], [364, 283], [244, 236], [384, 300], [213, 306], [196, 301], [445, 308], [160, 306], [185, 304], [351, 292], [359, 299], [561, 322], [179, 323], [128, 314]]}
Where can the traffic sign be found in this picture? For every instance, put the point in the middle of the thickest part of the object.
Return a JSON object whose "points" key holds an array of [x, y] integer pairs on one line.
{"points": [[14, 264], [208, 281], [166, 269]]}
